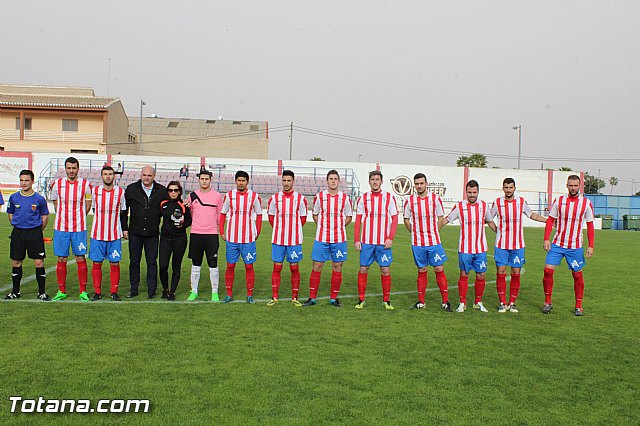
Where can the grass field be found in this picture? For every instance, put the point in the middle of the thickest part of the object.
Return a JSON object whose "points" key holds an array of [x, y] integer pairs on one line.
{"points": [[211, 363]]}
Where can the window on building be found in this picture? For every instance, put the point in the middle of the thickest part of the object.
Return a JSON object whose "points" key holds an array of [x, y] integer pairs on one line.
{"points": [[237, 122], [69, 125], [27, 123], [254, 127], [173, 124], [211, 121], [84, 151]]}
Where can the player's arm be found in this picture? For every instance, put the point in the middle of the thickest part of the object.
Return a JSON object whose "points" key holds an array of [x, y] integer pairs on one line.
{"points": [[407, 224], [392, 232], [547, 232], [356, 232], [315, 218], [303, 212], [591, 237], [124, 217], [45, 220], [88, 199], [221, 223], [187, 218], [407, 216], [538, 218], [10, 216], [492, 225]]}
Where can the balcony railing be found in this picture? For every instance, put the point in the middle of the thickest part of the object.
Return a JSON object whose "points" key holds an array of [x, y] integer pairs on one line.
{"points": [[48, 135]]}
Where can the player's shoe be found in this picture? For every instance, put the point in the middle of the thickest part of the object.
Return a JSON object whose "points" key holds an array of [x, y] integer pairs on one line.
{"points": [[361, 304], [165, 294], [418, 305], [171, 296], [512, 308], [44, 297], [215, 297], [480, 306], [546, 309], [387, 305], [250, 300], [12, 295], [84, 296], [309, 302], [461, 308], [502, 309], [272, 302], [227, 299], [447, 307], [115, 297], [96, 297], [296, 303], [335, 302], [192, 296], [60, 296], [578, 312]]}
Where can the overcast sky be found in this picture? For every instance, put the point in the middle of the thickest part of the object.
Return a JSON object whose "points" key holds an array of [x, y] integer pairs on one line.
{"points": [[452, 75]]}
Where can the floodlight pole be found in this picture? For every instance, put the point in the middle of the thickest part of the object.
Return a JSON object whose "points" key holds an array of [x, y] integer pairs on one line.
{"points": [[142, 103], [519, 129], [290, 140]]}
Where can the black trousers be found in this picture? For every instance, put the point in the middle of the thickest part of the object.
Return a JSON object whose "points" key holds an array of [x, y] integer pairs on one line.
{"points": [[171, 248], [150, 245]]}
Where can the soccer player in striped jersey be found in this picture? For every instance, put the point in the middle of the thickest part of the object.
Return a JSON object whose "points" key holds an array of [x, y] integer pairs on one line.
{"points": [[243, 208], [287, 215], [106, 232], [472, 251], [568, 213], [422, 212], [509, 249], [374, 230], [71, 197], [332, 212]]}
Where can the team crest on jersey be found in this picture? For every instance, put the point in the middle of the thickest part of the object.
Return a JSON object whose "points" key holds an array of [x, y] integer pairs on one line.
{"points": [[34, 207]]}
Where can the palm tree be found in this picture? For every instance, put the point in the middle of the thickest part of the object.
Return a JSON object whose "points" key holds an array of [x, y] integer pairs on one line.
{"points": [[613, 181], [473, 160]]}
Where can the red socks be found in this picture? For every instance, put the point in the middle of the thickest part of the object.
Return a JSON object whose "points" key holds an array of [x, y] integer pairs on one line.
{"points": [[441, 280], [250, 275], [275, 281], [115, 278], [514, 288], [386, 287], [96, 277], [295, 280], [362, 284], [422, 285], [578, 288], [336, 282], [229, 275], [501, 287], [82, 275], [61, 273], [547, 285], [479, 289], [314, 284], [463, 287]]}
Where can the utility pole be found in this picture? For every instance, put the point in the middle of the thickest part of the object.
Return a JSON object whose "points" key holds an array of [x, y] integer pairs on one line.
{"points": [[290, 140], [519, 129], [142, 103], [109, 77]]}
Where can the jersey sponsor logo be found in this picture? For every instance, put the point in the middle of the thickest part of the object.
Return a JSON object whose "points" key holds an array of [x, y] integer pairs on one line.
{"points": [[81, 246]]}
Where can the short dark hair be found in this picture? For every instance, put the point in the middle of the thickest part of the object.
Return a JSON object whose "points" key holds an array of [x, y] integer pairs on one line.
{"points": [[175, 183], [420, 176], [242, 173], [72, 160], [473, 184], [205, 172], [373, 173], [508, 181], [333, 172], [288, 173], [27, 172], [573, 177], [108, 168]]}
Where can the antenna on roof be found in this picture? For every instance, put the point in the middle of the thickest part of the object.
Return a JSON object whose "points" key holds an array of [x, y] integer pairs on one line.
{"points": [[220, 117]]}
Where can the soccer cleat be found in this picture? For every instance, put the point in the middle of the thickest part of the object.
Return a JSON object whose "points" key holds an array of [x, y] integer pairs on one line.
{"points": [[461, 308], [12, 295], [250, 300], [171, 296], [272, 302], [418, 305], [387, 305], [502, 309], [84, 296], [546, 309], [96, 297], [151, 296], [165, 294], [227, 299], [132, 294], [215, 297], [447, 307], [296, 303], [60, 296], [512, 308], [192, 296], [578, 312], [336, 303], [309, 302], [115, 297], [44, 297], [361, 304], [480, 306]]}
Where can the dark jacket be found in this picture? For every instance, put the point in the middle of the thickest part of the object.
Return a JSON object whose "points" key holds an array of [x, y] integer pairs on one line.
{"points": [[144, 218], [169, 228]]}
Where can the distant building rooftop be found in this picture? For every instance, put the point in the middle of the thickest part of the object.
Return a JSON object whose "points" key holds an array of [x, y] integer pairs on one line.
{"points": [[12, 95], [197, 127]]}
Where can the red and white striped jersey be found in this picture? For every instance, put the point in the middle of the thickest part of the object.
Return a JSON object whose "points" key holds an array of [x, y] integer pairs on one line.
{"points": [[288, 211], [472, 218], [107, 206], [424, 213], [241, 209], [332, 211], [509, 213], [570, 213], [377, 210], [71, 215]]}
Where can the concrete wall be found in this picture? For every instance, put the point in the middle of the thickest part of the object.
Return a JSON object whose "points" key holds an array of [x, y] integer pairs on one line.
{"points": [[117, 124]]}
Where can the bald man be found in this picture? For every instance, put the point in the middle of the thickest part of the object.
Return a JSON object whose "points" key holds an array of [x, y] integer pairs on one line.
{"points": [[143, 207]]}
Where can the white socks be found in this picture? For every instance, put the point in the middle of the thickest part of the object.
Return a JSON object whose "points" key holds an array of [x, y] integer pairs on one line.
{"points": [[195, 278], [214, 276]]}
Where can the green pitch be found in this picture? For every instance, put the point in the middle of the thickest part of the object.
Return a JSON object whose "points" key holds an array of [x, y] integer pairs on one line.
{"points": [[211, 363]]}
